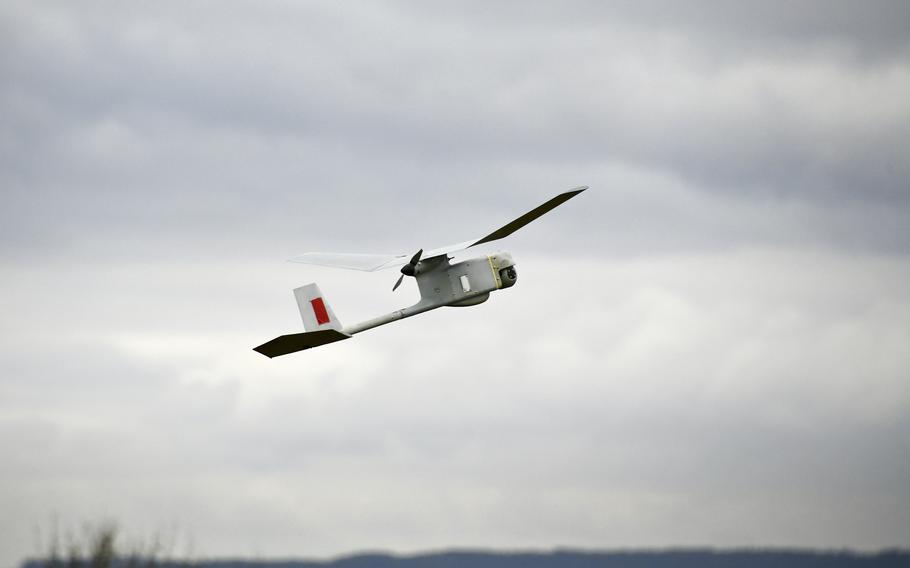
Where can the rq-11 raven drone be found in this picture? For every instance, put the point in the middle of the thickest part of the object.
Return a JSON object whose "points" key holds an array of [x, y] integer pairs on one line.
{"points": [[465, 283]]}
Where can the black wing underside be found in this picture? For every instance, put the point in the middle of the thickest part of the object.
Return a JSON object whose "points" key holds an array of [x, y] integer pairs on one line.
{"points": [[294, 342]]}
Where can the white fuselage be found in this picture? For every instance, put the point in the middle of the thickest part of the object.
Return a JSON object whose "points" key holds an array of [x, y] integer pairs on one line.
{"points": [[464, 283]]}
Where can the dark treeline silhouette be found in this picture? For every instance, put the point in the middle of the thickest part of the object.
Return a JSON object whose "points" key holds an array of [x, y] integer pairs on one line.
{"points": [[702, 558]]}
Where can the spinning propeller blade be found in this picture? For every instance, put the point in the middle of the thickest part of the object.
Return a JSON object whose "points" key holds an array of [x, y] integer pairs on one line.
{"points": [[408, 269]]}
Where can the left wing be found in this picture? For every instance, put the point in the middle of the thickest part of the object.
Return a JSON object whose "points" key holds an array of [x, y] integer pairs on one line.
{"points": [[511, 226], [352, 261], [372, 262]]}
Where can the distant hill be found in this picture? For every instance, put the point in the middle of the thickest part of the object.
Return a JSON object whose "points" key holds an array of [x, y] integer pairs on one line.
{"points": [[568, 559]]}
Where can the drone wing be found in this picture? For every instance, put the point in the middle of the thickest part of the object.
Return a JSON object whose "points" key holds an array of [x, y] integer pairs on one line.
{"points": [[373, 262], [352, 261], [511, 226]]}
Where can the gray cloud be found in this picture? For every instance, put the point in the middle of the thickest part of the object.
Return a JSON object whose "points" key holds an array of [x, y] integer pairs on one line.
{"points": [[756, 387], [718, 325], [181, 121]]}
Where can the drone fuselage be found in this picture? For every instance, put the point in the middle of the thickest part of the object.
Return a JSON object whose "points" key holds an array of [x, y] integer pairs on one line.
{"points": [[464, 283], [441, 284]]}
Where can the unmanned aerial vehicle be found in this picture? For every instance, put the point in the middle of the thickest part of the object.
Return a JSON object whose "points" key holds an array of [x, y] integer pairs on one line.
{"points": [[441, 283]]}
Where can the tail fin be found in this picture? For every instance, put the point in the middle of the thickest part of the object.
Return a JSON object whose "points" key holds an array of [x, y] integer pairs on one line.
{"points": [[319, 321], [315, 310]]}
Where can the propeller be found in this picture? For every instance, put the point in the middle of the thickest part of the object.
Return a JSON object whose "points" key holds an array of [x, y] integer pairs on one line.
{"points": [[408, 269]]}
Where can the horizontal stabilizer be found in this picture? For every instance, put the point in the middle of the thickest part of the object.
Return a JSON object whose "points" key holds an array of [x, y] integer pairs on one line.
{"points": [[294, 342]]}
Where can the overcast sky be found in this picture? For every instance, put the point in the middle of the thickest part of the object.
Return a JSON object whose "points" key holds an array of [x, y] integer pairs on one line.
{"points": [[711, 346]]}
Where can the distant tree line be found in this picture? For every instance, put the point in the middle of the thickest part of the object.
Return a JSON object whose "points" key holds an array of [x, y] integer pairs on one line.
{"points": [[98, 548]]}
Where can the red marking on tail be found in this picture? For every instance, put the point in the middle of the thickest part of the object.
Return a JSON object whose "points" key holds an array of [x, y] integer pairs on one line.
{"points": [[322, 315]]}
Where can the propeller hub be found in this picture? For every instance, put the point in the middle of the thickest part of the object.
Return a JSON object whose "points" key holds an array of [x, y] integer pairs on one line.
{"points": [[409, 269]]}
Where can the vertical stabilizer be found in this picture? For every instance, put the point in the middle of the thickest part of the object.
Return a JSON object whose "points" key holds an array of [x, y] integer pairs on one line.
{"points": [[315, 310]]}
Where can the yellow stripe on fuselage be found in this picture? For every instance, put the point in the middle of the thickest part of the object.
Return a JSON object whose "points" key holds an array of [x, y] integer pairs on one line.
{"points": [[495, 273]]}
